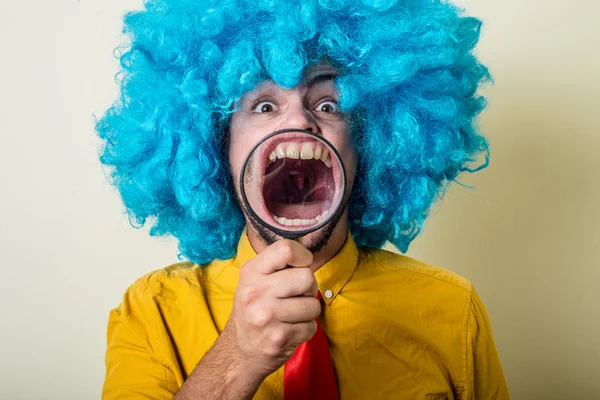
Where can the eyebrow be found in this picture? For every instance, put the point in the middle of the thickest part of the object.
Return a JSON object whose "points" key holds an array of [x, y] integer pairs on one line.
{"points": [[319, 78], [308, 83]]}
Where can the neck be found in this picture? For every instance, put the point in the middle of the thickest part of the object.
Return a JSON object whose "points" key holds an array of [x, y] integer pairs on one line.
{"points": [[335, 243]]}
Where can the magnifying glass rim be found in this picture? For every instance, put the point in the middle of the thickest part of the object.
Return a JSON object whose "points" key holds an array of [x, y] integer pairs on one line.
{"points": [[282, 232]]}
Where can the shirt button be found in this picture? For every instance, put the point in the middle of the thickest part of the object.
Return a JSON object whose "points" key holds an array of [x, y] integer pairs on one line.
{"points": [[328, 294]]}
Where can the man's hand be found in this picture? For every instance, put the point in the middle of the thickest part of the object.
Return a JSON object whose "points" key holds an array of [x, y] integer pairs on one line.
{"points": [[274, 311], [274, 308]]}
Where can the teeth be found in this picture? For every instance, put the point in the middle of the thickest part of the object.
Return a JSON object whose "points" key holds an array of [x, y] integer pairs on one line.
{"points": [[292, 151], [301, 222], [280, 151], [318, 150], [284, 221], [304, 152]]}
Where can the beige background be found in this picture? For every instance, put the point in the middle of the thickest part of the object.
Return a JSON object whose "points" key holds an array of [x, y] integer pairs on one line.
{"points": [[528, 236]]}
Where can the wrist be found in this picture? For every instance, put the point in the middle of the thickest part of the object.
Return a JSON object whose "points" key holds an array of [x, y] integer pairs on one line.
{"points": [[240, 367], [241, 372]]}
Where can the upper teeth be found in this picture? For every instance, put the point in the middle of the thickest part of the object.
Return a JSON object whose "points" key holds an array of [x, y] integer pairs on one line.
{"points": [[305, 151]]}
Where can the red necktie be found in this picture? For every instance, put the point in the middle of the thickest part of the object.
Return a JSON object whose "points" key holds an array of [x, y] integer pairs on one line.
{"points": [[309, 374]]}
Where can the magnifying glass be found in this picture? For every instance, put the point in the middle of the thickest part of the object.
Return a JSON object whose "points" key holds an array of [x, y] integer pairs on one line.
{"points": [[293, 182]]}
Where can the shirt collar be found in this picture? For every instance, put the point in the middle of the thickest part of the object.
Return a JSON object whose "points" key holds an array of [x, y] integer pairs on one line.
{"points": [[331, 277]]}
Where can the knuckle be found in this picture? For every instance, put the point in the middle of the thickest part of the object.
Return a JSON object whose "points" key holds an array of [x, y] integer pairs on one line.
{"points": [[263, 318], [286, 251], [309, 256], [245, 271], [279, 337], [272, 350], [315, 308], [308, 278], [249, 295]]}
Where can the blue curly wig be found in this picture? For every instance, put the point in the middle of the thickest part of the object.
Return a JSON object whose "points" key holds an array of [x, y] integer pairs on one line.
{"points": [[408, 82]]}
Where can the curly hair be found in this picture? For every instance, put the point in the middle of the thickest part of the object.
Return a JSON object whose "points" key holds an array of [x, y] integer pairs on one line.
{"points": [[409, 81]]}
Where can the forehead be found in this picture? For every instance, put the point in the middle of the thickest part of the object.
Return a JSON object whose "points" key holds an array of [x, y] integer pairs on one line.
{"points": [[313, 75], [320, 70]]}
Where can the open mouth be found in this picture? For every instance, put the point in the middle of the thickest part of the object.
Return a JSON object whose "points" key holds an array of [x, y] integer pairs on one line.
{"points": [[301, 183]]}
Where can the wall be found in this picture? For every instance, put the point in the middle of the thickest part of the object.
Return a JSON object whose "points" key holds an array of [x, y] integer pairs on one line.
{"points": [[527, 236]]}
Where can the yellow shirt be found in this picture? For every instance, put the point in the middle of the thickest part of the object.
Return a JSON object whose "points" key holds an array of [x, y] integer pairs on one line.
{"points": [[397, 329]]}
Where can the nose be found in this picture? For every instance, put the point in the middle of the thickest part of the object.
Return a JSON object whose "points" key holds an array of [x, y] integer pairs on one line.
{"points": [[298, 117]]}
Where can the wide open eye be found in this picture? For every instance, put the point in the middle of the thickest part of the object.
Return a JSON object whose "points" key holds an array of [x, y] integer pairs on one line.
{"points": [[264, 107], [328, 106]]}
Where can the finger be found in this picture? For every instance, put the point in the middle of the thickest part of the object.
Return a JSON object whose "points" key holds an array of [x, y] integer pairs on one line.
{"points": [[281, 254], [303, 331], [297, 309], [292, 282]]}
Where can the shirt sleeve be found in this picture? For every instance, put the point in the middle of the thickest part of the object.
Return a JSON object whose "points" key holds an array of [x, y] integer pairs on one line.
{"points": [[133, 370], [483, 375]]}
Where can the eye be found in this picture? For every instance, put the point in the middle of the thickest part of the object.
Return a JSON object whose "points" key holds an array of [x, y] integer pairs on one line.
{"points": [[264, 107], [328, 106]]}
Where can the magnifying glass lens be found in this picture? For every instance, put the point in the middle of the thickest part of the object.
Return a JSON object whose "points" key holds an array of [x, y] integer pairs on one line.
{"points": [[293, 182]]}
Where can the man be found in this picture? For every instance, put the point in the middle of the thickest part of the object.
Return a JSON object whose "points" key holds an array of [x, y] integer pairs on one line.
{"points": [[392, 86]]}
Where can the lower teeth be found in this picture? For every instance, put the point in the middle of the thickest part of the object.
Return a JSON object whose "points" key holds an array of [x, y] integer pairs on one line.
{"points": [[300, 222]]}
